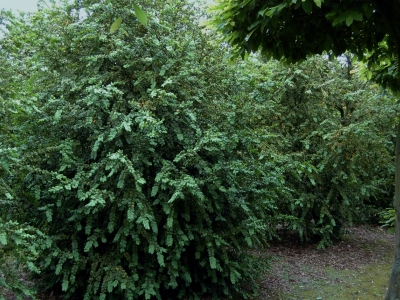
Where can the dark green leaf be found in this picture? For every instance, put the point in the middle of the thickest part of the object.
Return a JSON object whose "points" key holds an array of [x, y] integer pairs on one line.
{"points": [[349, 20], [307, 6]]}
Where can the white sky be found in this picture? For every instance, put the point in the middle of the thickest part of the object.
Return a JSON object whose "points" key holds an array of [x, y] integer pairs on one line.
{"points": [[19, 5], [26, 5]]}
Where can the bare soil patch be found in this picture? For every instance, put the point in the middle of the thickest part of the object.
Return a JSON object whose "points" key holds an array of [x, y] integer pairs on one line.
{"points": [[295, 264]]}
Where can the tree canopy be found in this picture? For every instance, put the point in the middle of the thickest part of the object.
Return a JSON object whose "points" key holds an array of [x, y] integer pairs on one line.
{"points": [[295, 29]]}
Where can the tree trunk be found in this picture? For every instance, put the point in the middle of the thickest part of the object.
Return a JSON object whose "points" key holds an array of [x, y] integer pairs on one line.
{"points": [[393, 292], [390, 11]]}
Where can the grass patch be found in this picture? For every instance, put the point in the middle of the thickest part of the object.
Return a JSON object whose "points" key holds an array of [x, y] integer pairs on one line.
{"points": [[366, 283]]}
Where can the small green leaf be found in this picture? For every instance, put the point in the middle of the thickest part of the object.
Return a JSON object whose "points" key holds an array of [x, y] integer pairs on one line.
{"points": [[64, 286], [349, 20], [336, 21], [88, 246], [58, 269], [151, 249], [57, 115], [114, 27], [213, 262], [154, 190], [131, 214], [3, 239], [160, 259], [170, 221], [234, 276], [169, 240], [357, 16], [146, 224], [318, 3], [249, 241], [140, 14]]}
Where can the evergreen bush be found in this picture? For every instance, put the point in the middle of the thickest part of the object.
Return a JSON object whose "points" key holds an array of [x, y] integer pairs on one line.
{"points": [[133, 163]]}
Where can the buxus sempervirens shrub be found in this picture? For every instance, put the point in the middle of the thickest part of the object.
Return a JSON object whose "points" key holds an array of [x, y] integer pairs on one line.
{"points": [[136, 170]]}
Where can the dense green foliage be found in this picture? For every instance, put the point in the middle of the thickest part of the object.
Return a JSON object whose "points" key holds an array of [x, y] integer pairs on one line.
{"points": [[133, 165], [388, 219], [137, 164], [20, 243], [292, 29], [334, 136]]}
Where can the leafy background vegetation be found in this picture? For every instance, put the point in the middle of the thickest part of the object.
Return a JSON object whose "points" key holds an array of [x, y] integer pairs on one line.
{"points": [[139, 164]]}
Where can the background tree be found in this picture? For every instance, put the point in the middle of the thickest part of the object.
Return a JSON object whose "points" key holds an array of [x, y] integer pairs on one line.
{"points": [[294, 29], [333, 141], [20, 242]]}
